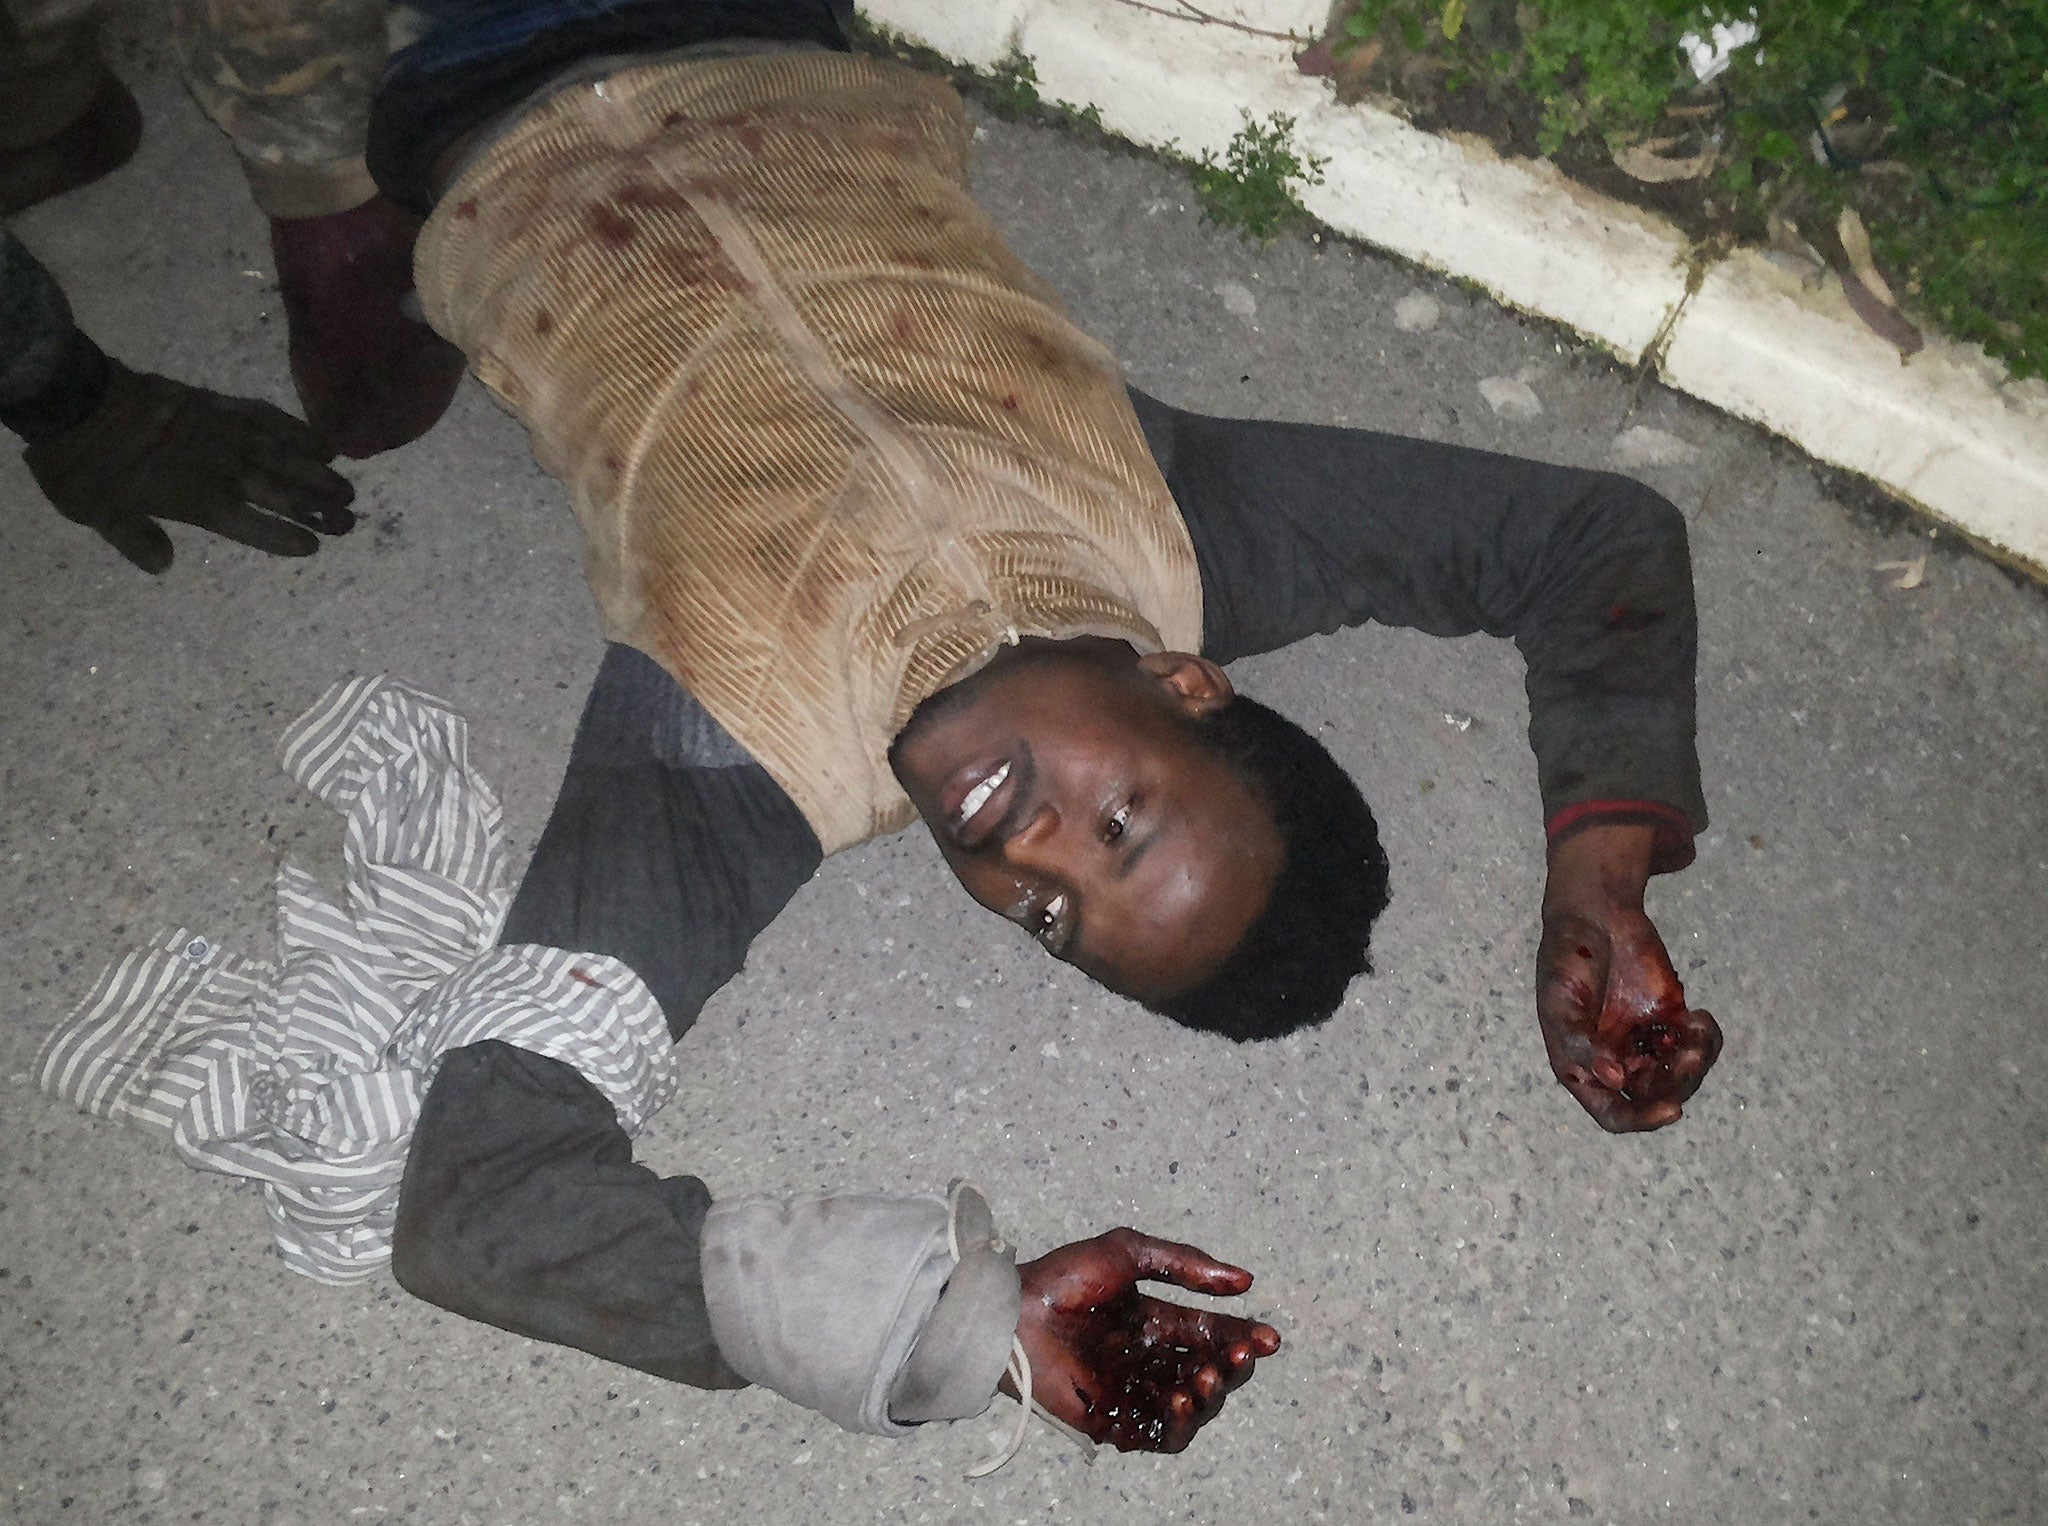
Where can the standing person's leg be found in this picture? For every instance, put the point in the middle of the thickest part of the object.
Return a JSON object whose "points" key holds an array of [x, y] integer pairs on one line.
{"points": [[290, 83], [65, 120]]}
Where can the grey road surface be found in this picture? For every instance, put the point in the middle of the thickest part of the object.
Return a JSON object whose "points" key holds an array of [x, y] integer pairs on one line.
{"points": [[1819, 1297]]}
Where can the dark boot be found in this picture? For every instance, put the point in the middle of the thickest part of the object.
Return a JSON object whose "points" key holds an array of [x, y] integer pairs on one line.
{"points": [[370, 378], [95, 144]]}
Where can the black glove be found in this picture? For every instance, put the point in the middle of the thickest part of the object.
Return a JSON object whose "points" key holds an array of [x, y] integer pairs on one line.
{"points": [[157, 449]]}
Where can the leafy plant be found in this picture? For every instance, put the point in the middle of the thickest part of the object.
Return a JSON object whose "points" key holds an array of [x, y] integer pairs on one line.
{"points": [[1957, 200], [1252, 187], [1013, 86]]}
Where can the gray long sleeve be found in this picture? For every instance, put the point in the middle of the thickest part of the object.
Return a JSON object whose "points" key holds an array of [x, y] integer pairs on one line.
{"points": [[1302, 529], [522, 1207]]}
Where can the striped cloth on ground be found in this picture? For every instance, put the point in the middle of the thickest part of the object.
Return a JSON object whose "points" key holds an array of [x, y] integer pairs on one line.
{"points": [[307, 1073]]}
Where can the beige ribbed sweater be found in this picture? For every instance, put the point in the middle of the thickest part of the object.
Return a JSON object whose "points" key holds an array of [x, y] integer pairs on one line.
{"points": [[830, 443]]}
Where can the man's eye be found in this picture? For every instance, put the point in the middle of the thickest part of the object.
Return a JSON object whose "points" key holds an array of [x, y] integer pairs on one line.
{"points": [[1117, 824]]}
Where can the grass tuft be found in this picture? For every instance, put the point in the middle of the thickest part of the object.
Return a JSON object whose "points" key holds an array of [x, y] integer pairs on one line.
{"points": [[1252, 187]]}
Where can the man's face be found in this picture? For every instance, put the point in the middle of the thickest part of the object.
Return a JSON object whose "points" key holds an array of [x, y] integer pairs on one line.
{"points": [[1067, 792]]}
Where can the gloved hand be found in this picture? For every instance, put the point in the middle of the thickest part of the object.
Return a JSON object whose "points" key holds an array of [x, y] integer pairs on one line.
{"points": [[158, 449]]}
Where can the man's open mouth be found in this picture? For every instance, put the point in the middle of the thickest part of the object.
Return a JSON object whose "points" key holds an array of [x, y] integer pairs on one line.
{"points": [[979, 798]]}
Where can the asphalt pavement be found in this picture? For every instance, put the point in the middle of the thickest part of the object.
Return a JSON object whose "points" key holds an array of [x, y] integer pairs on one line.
{"points": [[1818, 1297]]}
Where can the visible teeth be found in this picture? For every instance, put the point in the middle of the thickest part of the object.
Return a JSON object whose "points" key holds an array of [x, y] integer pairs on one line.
{"points": [[979, 795]]}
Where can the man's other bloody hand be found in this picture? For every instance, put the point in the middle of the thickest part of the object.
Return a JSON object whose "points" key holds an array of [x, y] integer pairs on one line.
{"points": [[1615, 1022], [1125, 1368]]}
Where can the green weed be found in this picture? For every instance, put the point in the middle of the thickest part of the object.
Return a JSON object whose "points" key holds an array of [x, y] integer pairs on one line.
{"points": [[1012, 88], [1252, 188]]}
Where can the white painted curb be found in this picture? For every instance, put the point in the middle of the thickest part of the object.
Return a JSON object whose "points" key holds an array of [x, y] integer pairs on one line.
{"points": [[1947, 430]]}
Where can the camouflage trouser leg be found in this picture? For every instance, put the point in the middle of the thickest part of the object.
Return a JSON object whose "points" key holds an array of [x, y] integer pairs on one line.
{"points": [[289, 82], [50, 67]]}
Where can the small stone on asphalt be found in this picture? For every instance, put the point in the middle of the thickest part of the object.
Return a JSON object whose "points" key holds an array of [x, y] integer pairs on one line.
{"points": [[1238, 299], [1644, 446], [1510, 397], [1416, 312]]}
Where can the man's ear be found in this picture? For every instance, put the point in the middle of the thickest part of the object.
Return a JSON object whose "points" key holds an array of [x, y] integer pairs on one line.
{"points": [[1196, 685]]}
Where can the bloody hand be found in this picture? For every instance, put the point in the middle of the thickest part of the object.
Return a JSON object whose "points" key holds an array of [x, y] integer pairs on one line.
{"points": [[1615, 1022], [1122, 1367]]}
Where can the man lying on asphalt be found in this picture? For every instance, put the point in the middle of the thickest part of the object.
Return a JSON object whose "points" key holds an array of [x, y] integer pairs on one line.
{"points": [[876, 531]]}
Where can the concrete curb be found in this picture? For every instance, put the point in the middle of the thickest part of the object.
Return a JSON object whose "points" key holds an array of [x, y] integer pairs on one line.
{"points": [[1947, 430]]}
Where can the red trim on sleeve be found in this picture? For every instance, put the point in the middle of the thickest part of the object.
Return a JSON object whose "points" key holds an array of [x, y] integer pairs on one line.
{"points": [[1673, 848]]}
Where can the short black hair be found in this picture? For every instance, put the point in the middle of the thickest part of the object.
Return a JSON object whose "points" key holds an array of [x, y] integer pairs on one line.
{"points": [[1294, 962]]}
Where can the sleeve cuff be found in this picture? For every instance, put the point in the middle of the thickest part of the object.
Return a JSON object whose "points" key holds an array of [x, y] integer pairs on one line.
{"points": [[1672, 848], [958, 1360], [76, 383], [874, 1311]]}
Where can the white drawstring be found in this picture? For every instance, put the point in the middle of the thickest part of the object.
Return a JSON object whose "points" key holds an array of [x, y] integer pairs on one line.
{"points": [[1018, 1369], [1019, 1374]]}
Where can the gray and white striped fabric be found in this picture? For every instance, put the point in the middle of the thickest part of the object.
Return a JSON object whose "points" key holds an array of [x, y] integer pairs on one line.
{"points": [[307, 1073]]}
